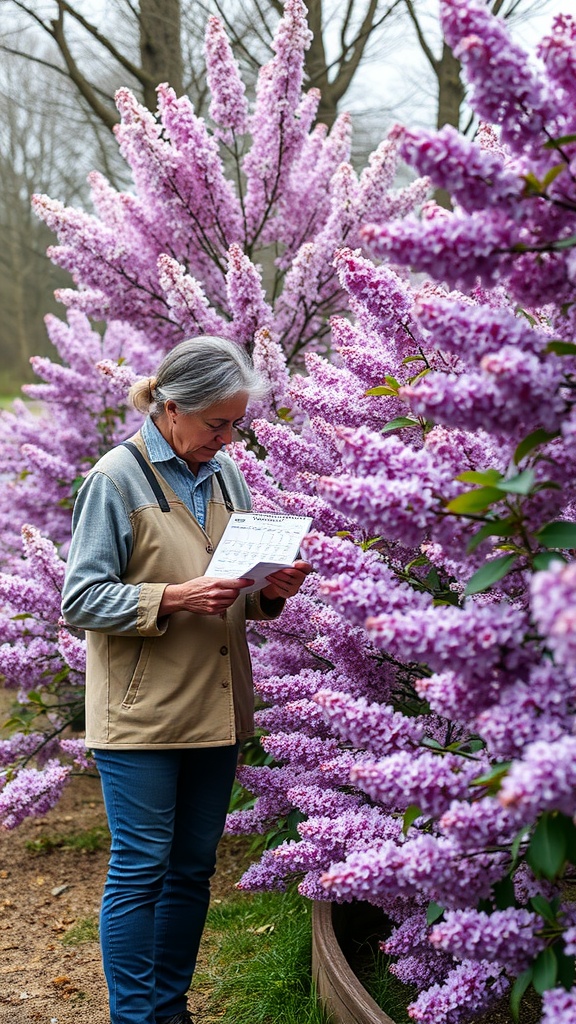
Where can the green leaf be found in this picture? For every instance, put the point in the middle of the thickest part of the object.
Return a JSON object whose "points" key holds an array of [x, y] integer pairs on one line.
{"points": [[434, 912], [548, 846], [485, 476], [35, 698], [565, 968], [492, 779], [543, 907], [543, 560], [518, 989], [495, 528], [410, 814], [533, 184], [561, 348], [414, 380], [552, 174], [490, 573], [563, 140], [532, 440], [515, 848], [413, 359], [431, 743], [563, 243], [504, 895], [419, 560], [520, 484], [391, 381], [381, 390], [570, 830], [559, 534], [400, 421], [474, 501], [544, 971], [433, 579]]}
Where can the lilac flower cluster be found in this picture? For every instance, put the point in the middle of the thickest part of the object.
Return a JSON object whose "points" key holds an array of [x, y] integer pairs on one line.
{"points": [[507, 936], [430, 434]]}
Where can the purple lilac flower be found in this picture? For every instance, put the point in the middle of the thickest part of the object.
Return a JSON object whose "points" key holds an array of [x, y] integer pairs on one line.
{"points": [[558, 52], [228, 106], [31, 793], [559, 1006], [553, 602], [475, 178], [187, 301], [375, 726], [544, 779], [427, 780], [505, 88], [476, 825], [246, 297], [468, 988], [427, 968], [275, 129], [507, 936]]}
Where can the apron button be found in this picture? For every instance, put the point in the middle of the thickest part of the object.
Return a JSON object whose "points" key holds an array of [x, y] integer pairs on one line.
{"points": [[225, 684], [223, 650], [210, 550]]}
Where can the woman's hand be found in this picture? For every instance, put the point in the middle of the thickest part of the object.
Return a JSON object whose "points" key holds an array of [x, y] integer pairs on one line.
{"points": [[287, 582], [204, 595]]}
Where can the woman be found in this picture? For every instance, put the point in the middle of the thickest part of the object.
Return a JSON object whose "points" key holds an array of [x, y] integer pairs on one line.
{"points": [[168, 681]]}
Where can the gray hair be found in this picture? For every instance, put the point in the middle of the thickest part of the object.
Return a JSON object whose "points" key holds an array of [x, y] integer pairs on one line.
{"points": [[196, 374]]}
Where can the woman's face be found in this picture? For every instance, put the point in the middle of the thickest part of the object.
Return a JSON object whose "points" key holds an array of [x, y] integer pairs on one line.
{"points": [[197, 436]]}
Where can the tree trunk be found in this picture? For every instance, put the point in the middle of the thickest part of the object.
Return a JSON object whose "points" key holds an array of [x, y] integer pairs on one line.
{"points": [[450, 99], [315, 65], [450, 89], [160, 46]]}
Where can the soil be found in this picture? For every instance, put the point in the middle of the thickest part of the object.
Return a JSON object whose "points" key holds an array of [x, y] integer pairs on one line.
{"points": [[44, 898]]}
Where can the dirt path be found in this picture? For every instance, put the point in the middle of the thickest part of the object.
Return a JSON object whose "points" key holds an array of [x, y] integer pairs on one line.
{"points": [[45, 899]]}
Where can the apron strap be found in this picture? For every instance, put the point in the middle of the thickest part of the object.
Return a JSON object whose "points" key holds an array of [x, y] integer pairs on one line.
{"points": [[149, 474]]}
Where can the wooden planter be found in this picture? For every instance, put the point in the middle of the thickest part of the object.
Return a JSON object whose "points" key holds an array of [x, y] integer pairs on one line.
{"points": [[333, 929]]}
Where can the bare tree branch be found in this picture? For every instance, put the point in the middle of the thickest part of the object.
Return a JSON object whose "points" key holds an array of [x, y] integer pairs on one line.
{"points": [[426, 50], [104, 41], [84, 87]]}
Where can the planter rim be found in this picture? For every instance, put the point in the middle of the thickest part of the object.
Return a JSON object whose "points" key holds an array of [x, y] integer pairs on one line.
{"points": [[338, 988]]}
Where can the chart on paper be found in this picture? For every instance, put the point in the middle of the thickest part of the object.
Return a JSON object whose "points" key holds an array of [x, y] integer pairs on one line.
{"points": [[256, 544]]}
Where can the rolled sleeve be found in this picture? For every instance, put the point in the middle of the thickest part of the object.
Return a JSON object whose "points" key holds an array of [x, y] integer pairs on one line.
{"points": [[147, 622]]}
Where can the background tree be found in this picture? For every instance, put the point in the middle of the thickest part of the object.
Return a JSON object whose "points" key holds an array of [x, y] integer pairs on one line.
{"points": [[33, 153]]}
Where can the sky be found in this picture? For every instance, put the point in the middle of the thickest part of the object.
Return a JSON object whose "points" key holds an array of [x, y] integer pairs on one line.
{"points": [[397, 78]]}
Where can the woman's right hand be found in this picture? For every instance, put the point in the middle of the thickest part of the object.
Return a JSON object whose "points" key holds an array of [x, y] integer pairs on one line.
{"points": [[205, 595]]}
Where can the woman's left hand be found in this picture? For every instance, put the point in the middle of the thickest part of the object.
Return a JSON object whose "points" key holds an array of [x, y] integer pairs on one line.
{"points": [[287, 582]]}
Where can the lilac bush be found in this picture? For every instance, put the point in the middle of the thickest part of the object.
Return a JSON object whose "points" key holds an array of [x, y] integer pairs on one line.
{"points": [[175, 256], [418, 699]]}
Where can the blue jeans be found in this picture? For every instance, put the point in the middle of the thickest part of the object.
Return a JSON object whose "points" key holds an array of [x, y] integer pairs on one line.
{"points": [[166, 810]]}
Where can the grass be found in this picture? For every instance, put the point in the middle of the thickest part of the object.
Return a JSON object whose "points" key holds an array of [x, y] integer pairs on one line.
{"points": [[85, 930], [259, 954], [89, 841], [391, 994]]}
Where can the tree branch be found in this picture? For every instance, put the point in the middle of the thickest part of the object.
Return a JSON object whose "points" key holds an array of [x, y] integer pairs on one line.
{"points": [[348, 66], [82, 84], [133, 69], [432, 60]]}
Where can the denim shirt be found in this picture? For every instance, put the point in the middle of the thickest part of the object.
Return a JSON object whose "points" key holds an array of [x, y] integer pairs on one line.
{"points": [[194, 491]]}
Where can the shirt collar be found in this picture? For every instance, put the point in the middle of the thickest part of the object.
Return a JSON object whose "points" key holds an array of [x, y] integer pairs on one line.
{"points": [[160, 451]]}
